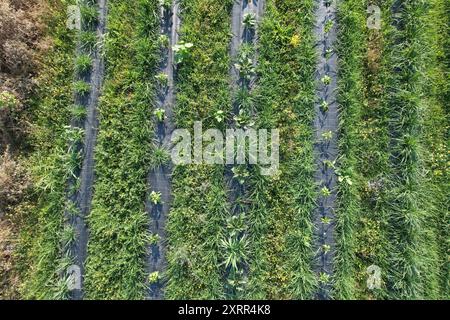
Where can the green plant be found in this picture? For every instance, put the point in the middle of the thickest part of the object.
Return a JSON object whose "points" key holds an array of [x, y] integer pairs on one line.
{"points": [[324, 278], [78, 112], [89, 15], [182, 51], [235, 251], [88, 40], [154, 239], [326, 248], [328, 26], [240, 173], [325, 192], [155, 198], [327, 135], [81, 87], [326, 80], [249, 20], [83, 63], [219, 116], [162, 78], [154, 277], [160, 114], [164, 41], [324, 106]]}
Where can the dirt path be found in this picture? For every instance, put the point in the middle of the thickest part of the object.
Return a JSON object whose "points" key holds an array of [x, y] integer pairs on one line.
{"points": [[326, 146], [83, 197], [159, 179]]}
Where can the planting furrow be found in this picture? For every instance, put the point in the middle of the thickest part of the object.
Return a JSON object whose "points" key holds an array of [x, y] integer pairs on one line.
{"points": [[326, 143], [246, 16], [83, 197], [159, 178]]}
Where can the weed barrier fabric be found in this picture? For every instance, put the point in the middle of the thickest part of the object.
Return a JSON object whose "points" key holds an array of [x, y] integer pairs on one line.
{"points": [[83, 198], [326, 145], [241, 35], [159, 178]]}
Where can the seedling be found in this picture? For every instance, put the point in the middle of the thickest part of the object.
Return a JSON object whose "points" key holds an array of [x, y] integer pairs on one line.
{"points": [[163, 79], [72, 209], [326, 80], [325, 192], [154, 239], [235, 250], [160, 114], [327, 135], [153, 277], [68, 236], [220, 116], [328, 164], [78, 112], [155, 198], [160, 157], [328, 53], [88, 40], [325, 220], [182, 51], [240, 173], [83, 63], [324, 278], [328, 26], [163, 41], [236, 224], [245, 67], [326, 248], [82, 87], [324, 106], [249, 20], [243, 119]]}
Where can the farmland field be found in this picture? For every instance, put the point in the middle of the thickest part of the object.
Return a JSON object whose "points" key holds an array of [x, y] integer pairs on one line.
{"points": [[224, 150]]}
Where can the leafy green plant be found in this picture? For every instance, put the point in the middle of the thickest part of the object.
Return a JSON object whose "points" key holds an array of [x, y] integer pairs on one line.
{"points": [[89, 15], [155, 198], [160, 114], [235, 251], [78, 112], [325, 192], [327, 135], [240, 173], [249, 20], [324, 278], [82, 88], [326, 80], [164, 41], [324, 106], [328, 26], [182, 51], [83, 63], [162, 78], [88, 40], [154, 277], [219, 116]]}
